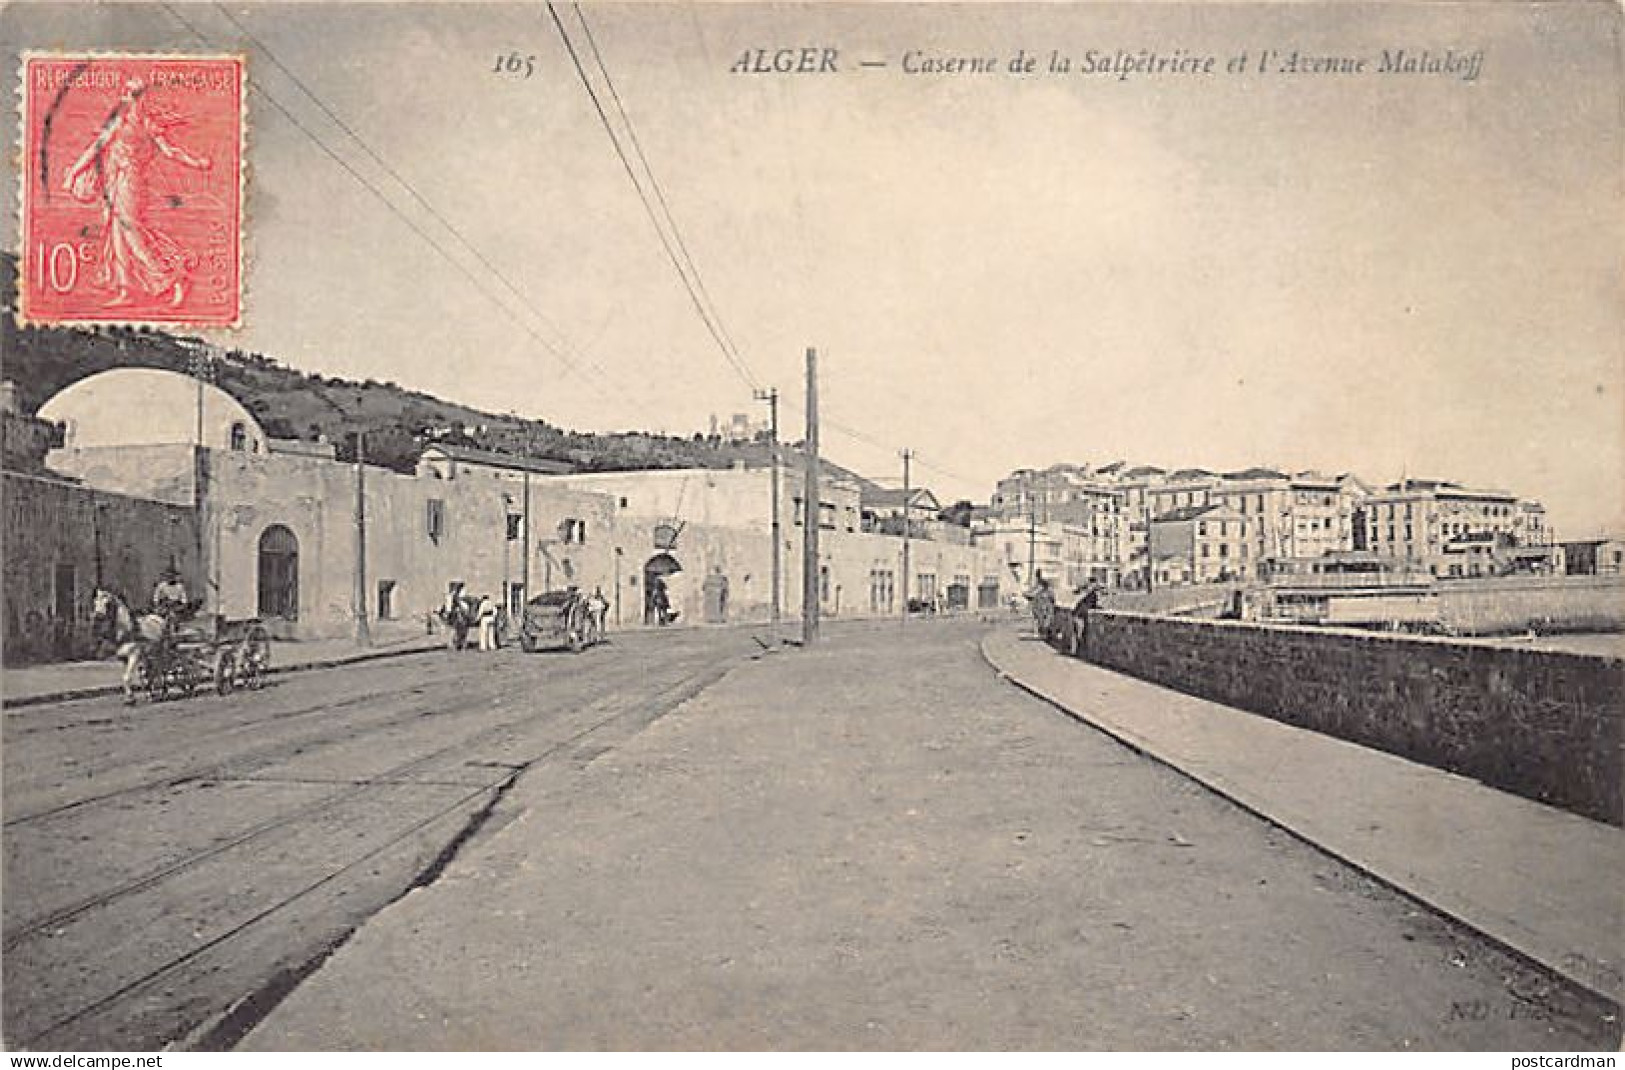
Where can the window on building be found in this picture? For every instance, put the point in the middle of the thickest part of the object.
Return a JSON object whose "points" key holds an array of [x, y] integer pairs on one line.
{"points": [[573, 530], [239, 436], [516, 527], [386, 600], [623, 503], [436, 519]]}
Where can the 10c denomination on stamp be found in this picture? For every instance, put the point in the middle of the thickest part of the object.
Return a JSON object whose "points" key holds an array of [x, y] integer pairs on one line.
{"points": [[132, 189]]}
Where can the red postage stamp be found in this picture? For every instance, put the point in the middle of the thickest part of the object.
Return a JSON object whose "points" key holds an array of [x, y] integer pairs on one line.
{"points": [[132, 189]]}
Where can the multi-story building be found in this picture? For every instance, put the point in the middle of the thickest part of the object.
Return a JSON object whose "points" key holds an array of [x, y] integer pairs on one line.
{"points": [[1321, 516], [1445, 527], [1529, 525], [1263, 498], [1183, 489], [1135, 484], [1287, 517], [1211, 537], [1025, 549], [1088, 504]]}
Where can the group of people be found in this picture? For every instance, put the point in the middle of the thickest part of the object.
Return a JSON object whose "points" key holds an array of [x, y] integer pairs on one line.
{"points": [[1041, 601], [461, 612], [485, 616]]}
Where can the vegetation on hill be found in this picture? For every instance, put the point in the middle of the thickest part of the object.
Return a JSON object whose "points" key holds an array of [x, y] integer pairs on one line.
{"points": [[290, 403]]}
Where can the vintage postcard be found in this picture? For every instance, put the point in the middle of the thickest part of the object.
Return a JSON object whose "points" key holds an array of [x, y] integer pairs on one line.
{"points": [[813, 526]]}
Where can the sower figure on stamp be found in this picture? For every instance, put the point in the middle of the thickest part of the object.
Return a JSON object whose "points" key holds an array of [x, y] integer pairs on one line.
{"points": [[116, 170]]}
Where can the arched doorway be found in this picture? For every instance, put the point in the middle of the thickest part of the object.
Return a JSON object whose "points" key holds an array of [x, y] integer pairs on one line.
{"points": [[656, 572], [279, 573]]}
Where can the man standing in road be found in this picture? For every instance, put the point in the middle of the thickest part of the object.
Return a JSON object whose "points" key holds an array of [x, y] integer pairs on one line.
{"points": [[597, 610], [1042, 601], [487, 618]]}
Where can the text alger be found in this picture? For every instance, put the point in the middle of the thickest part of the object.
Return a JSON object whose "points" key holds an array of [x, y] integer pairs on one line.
{"points": [[804, 60]]}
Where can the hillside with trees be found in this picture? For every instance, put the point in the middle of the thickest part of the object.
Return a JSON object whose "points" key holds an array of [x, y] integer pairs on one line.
{"points": [[291, 403]]}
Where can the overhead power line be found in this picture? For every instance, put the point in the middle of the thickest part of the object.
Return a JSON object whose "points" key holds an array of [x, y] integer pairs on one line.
{"points": [[660, 195], [674, 245], [401, 181], [571, 363], [694, 286]]}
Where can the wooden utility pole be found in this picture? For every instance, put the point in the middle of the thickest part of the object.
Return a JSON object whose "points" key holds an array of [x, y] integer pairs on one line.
{"points": [[524, 548], [363, 635], [771, 396], [811, 511], [1150, 560], [908, 455], [1032, 535]]}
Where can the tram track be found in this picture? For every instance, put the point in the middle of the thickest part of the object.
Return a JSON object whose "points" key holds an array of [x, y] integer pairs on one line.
{"points": [[199, 770], [15, 936], [593, 707]]}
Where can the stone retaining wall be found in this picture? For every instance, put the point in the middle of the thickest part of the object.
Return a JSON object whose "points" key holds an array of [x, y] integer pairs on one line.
{"points": [[1543, 724]]}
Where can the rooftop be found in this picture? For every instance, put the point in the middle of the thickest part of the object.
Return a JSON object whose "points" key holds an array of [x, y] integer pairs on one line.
{"points": [[492, 459], [1188, 512]]}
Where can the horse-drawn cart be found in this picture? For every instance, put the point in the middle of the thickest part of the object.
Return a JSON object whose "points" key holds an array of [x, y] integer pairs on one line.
{"points": [[226, 655], [558, 620]]}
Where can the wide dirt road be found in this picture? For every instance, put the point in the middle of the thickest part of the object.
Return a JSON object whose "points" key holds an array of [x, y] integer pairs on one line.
{"points": [[878, 844], [167, 863]]}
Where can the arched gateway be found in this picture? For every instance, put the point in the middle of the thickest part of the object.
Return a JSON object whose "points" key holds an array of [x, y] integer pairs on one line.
{"points": [[279, 573], [655, 573]]}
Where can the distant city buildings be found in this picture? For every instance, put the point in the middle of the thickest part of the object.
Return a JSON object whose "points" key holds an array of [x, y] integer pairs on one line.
{"points": [[1115, 523]]}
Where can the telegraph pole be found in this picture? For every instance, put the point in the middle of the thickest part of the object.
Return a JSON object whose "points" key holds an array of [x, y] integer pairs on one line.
{"points": [[1150, 561], [771, 396], [363, 636], [908, 455], [811, 511], [524, 547], [1032, 535]]}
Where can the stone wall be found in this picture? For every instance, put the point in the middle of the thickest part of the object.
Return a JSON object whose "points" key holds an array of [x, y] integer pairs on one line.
{"points": [[61, 540], [1546, 603], [1543, 724]]}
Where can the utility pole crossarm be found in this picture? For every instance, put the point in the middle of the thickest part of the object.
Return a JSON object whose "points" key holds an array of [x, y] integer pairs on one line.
{"points": [[811, 512], [771, 396], [908, 524]]}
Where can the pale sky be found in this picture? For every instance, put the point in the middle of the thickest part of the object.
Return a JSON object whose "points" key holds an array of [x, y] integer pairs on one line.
{"points": [[1385, 273]]}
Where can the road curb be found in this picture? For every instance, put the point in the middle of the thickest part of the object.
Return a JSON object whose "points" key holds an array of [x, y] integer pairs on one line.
{"points": [[101, 690], [1241, 798]]}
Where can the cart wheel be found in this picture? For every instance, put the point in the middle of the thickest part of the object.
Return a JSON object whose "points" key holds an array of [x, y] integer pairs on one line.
{"points": [[256, 658], [225, 673]]}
